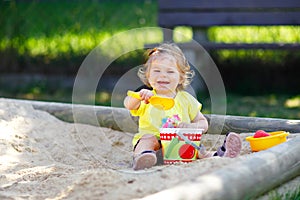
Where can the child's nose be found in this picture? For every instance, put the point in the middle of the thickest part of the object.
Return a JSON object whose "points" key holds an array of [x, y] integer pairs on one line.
{"points": [[164, 74]]}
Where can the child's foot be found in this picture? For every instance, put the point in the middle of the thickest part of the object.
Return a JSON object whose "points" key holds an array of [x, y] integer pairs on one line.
{"points": [[231, 147], [144, 160]]}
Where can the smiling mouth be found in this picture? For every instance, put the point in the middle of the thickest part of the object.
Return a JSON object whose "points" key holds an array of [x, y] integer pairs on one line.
{"points": [[163, 82]]}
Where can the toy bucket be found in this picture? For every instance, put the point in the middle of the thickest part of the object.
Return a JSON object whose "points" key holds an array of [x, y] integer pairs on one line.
{"points": [[178, 144]]}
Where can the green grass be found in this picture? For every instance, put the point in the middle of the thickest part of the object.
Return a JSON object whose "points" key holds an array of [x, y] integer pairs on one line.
{"points": [[250, 34], [289, 195], [272, 105], [66, 28]]}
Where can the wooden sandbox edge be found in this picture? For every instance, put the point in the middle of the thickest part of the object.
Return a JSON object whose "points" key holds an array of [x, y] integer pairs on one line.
{"points": [[249, 178], [120, 119]]}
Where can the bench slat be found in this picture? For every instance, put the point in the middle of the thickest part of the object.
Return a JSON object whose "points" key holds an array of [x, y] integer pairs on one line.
{"points": [[207, 13], [170, 20], [220, 4], [234, 46], [282, 46]]}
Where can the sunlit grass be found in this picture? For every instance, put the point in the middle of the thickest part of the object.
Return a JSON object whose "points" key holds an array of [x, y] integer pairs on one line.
{"points": [[64, 28], [255, 34], [81, 43], [62, 44], [68, 43], [293, 102], [103, 98], [183, 34], [77, 28]]}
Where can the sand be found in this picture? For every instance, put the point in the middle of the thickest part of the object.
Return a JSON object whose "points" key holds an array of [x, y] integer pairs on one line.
{"points": [[42, 157]]}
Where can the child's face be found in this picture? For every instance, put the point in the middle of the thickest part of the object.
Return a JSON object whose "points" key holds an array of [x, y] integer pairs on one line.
{"points": [[164, 76]]}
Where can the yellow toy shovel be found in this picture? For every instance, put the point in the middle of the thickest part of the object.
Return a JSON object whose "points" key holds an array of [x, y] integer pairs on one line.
{"points": [[159, 102]]}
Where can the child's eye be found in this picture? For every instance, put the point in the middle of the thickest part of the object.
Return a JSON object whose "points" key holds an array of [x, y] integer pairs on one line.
{"points": [[156, 70], [170, 72]]}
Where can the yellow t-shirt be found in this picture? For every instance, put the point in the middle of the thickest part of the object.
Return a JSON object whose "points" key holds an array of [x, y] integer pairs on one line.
{"points": [[150, 118]]}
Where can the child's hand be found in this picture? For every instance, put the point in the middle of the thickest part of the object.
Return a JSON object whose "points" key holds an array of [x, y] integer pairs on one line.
{"points": [[146, 95], [184, 125]]}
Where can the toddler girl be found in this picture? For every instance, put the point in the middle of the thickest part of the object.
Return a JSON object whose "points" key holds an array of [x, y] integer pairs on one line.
{"points": [[166, 73]]}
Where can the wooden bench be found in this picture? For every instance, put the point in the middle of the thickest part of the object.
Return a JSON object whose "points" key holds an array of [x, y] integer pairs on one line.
{"points": [[202, 14]]}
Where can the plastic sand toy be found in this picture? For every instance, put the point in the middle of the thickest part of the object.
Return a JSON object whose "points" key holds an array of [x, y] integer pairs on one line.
{"points": [[159, 102], [266, 140]]}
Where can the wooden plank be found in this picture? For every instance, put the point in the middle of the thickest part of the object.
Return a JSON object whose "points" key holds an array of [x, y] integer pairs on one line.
{"points": [[248, 178], [120, 119], [225, 4], [169, 20], [168, 35], [241, 124], [235, 46]]}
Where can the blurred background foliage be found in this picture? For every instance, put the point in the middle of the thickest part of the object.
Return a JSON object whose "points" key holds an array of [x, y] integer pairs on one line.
{"points": [[50, 38]]}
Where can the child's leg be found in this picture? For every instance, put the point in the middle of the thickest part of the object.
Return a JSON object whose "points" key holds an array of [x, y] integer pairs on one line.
{"points": [[144, 152], [231, 147], [202, 153], [205, 154]]}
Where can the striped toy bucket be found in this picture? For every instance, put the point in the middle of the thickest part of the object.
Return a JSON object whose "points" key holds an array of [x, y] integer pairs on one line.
{"points": [[176, 144]]}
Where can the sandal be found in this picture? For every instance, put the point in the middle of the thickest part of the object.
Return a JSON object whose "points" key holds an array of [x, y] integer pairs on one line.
{"points": [[144, 160], [231, 147]]}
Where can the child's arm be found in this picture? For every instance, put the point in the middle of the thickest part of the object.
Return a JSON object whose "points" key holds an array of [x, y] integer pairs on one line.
{"points": [[132, 103], [198, 122]]}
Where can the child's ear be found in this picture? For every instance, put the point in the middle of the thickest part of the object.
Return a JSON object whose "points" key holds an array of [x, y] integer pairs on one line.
{"points": [[181, 80]]}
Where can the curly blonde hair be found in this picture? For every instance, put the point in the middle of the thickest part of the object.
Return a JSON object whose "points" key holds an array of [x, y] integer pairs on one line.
{"points": [[167, 49]]}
